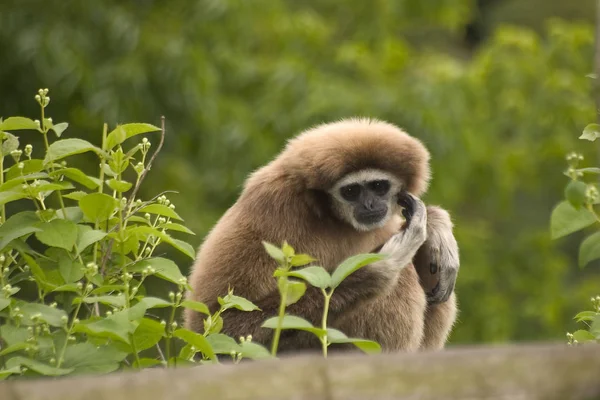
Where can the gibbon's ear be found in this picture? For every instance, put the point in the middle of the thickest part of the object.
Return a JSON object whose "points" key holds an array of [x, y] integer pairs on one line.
{"points": [[318, 202], [324, 154]]}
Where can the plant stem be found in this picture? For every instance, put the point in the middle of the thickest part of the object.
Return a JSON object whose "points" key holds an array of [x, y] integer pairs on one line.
{"points": [[324, 340], [135, 352], [284, 285], [64, 348], [1, 182], [100, 188]]}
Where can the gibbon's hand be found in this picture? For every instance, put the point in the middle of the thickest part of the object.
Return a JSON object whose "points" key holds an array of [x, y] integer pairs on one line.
{"points": [[437, 261], [403, 246]]}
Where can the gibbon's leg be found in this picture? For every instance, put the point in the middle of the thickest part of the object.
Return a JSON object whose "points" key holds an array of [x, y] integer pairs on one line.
{"points": [[394, 320], [439, 319], [437, 263]]}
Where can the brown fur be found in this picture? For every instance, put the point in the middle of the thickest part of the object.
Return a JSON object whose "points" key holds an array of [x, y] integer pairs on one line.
{"points": [[286, 200]]}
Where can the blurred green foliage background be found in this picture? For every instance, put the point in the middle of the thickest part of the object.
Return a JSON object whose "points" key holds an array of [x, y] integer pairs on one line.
{"points": [[497, 89]]}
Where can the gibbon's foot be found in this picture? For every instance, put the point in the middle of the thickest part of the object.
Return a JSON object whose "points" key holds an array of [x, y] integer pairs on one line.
{"points": [[437, 261]]}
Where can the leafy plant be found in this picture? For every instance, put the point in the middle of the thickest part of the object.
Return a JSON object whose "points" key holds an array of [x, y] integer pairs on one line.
{"points": [[577, 212], [75, 257], [292, 290], [77, 250]]}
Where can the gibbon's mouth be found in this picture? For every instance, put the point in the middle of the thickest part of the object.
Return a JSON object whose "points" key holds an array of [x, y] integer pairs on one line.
{"points": [[370, 217]]}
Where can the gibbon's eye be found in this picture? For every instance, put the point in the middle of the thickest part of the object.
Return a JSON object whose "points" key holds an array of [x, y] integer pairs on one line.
{"points": [[379, 187], [350, 192]]}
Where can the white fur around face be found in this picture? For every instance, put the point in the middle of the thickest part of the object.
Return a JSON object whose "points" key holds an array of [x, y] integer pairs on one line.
{"points": [[346, 212]]}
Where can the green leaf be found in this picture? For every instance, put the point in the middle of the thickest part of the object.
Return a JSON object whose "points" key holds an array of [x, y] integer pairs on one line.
{"points": [[119, 186], [352, 264], [13, 348], [367, 346], [223, 344], [78, 176], [52, 316], [29, 167], [59, 128], [18, 225], [58, 233], [148, 334], [72, 214], [274, 251], [295, 291], [86, 358], [70, 270], [316, 276], [18, 123], [213, 327], [3, 304], [293, 322], [37, 366], [197, 340], [146, 363], [165, 269], [591, 132], [585, 316], [589, 249], [160, 209], [254, 351], [237, 302], [196, 306], [6, 372], [115, 301], [591, 170], [177, 227], [126, 131], [68, 147], [301, 259], [118, 326], [13, 335], [566, 219], [9, 144], [575, 193], [98, 207], [180, 245], [7, 197], [288, 251], [87, 236], [154, 302], [76, 195], [583, 336]]}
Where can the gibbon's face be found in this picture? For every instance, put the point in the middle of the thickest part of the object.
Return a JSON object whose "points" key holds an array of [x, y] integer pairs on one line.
{"points": [[366, 199]]}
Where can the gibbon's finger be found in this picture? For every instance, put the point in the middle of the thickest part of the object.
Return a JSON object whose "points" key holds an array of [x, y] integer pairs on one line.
{"points": [[408, 204]]}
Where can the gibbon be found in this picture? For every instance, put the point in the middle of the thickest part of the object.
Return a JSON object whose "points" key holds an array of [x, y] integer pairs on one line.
{"points": [[335, 191]]}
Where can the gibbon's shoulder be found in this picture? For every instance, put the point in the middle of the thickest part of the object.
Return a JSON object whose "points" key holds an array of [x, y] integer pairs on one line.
{"points": [[320, 156]]}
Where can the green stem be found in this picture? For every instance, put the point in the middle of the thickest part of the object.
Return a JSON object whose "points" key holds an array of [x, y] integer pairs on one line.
{"points": [[64, 348], [324, 341], [135, 352], [101, 186], [283, 284], [170, 336]]}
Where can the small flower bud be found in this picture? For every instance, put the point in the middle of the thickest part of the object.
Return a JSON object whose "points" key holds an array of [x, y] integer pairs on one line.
{"points": [[174, 325], [21, 165], [163, 323], [64, 319], [147, 216], [38, 98]]}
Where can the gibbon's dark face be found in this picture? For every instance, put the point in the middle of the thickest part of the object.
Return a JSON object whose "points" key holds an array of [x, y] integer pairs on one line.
{"points": [[370, 200], [366, 199]]}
